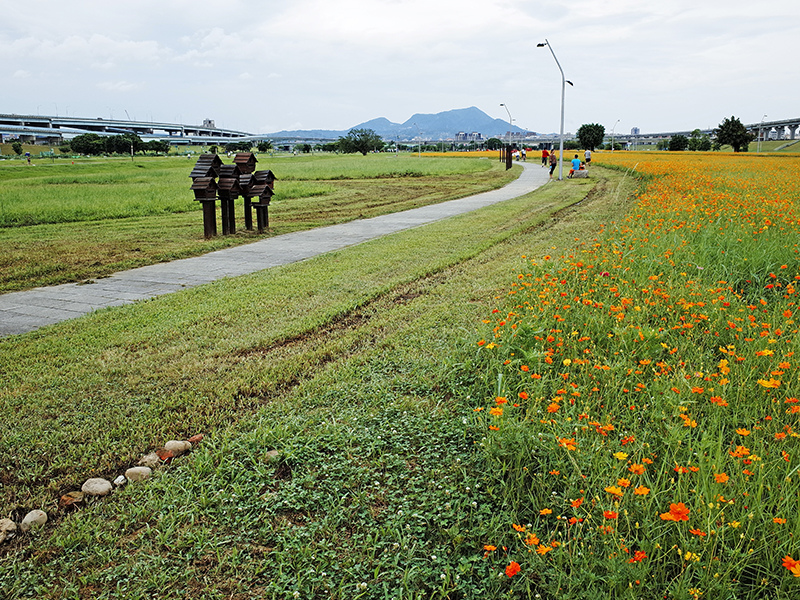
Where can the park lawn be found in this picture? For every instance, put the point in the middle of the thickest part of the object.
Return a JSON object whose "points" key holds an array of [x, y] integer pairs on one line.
{"points": [[99, 216], [349, 364]]}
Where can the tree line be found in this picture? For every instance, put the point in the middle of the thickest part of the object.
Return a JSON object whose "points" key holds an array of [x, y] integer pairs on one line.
{"points": [[731, 132]]}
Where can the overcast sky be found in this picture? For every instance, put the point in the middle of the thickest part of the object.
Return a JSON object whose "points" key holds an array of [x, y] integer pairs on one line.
{"points": [[263, 66]]}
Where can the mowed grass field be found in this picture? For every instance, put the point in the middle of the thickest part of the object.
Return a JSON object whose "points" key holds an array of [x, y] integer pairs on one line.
{"points": [[587, 392], [71, 220]]}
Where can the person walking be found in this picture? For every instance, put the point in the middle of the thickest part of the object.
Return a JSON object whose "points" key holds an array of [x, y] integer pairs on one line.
{"points": [[588, 156], [553, 163], [545, 154]]}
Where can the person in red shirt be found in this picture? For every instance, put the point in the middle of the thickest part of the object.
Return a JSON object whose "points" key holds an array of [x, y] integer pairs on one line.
{"points": [[545, 155]]}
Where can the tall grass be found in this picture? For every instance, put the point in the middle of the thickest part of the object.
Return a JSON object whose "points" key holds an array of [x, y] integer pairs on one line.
{"points": [[643, 392]]}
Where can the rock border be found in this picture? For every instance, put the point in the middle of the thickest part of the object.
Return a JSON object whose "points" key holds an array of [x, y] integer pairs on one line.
{"points": [[98, 487]]}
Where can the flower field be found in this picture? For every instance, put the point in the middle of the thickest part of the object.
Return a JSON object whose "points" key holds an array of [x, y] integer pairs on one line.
{"points": [[643, 397]]}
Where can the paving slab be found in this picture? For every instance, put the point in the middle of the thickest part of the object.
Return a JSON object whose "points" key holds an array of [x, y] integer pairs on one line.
{"points": [[21, 312]]}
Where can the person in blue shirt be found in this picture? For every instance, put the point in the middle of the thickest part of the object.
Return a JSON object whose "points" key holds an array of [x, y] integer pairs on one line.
{"points": [[576, 165]]}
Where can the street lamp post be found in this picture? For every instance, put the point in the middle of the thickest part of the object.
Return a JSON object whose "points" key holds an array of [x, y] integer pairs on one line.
{"points": [[564, 81], [612, 135], [759, 133], [509, 122]]}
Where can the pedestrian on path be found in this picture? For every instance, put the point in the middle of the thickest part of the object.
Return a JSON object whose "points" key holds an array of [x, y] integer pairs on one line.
{"points": [[553, 163], [545, 154]]}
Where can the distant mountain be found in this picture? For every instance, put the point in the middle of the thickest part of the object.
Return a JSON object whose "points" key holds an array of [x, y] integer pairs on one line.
{"points": [[439, 126]]}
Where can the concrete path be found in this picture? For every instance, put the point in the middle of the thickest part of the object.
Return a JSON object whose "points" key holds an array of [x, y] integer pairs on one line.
{"points": [[21, 312]]}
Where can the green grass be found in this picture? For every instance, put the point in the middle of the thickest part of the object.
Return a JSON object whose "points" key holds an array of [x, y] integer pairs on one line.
{"points": [[71, 222], [352, 365]]}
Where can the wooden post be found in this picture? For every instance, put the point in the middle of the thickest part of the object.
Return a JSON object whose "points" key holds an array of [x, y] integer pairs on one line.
{"points": [[248, 214], [209, 218]]}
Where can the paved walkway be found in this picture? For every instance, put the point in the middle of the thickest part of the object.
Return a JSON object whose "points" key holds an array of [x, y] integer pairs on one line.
{"points": [[21, 312]]}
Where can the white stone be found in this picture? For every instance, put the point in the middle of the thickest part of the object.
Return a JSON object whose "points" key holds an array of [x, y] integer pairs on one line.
{"points": [[271, 455], [8, 529], [150, 460], [138, 473], [97, 486], [120, 480], [178, 447], [35, 518]]}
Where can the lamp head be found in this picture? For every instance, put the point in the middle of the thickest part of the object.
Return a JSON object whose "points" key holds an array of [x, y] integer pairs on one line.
{"points": [[541, 45]]}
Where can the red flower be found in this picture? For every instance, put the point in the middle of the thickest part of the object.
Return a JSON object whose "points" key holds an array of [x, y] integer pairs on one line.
{"points": [[512, 569]]}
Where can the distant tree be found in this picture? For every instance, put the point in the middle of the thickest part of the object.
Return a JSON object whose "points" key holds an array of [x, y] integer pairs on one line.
{"points": [[573, 145], [90, 144], [122, 144], [732, 133], [678, 143], [699, 141], [360, 140], [156, 146], [213, 149], [264, 146], [65, 149], [238, 147], [17, 148], [304, 148], [591, 135], [493, 144]]}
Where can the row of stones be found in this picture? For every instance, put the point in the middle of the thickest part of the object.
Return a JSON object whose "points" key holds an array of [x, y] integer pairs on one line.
{"points": [[97, 486]]}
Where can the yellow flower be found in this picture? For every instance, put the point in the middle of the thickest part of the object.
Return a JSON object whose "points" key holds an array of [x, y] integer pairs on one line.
{"points": [[620, 456], [545, 511], [614, 491]]}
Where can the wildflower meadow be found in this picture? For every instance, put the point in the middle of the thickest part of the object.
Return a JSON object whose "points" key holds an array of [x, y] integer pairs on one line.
{"points": [[642, 393]]}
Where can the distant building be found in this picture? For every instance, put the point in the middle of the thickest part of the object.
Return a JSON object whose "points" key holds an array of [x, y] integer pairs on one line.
{"points": [[475, 136], [209, 123], [635, 131]]}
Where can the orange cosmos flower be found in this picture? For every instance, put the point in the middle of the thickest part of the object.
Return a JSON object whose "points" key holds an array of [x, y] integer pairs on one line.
{"points": [[677, 512], [769, 383], [792, 565], [743, 431], [721, 477], [636, 469], [698, 532], [541, 549], [496, 411], [568, 443], [614, 491], [740, 452], [610, 514], [501, 400], [641, 491], [623, 482], [552, 407], [512, 569], [576, 503], [638, 556], [545, 511], [779, 521]]}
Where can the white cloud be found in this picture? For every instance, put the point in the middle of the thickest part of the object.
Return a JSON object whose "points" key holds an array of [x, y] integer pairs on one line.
{"points": [[326, 64], [119, 86]]}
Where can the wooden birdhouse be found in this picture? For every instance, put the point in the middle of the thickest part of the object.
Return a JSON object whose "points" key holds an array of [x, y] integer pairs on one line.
{"points": [[207, 165], [204, 188], [246, 161]]}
